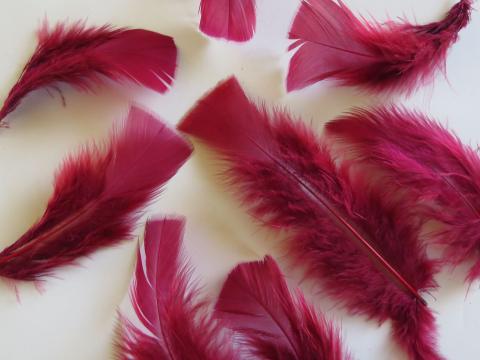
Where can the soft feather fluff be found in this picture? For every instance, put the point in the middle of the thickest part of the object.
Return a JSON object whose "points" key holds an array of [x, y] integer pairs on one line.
{"points": [[228, 19], [177, 324], [392, 56], [86, 56], [272, 322], [286, 177], [422, 156], [98, 196]]}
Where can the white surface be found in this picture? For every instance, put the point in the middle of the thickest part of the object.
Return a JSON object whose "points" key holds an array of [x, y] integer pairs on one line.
{"points": [[73, 318]]}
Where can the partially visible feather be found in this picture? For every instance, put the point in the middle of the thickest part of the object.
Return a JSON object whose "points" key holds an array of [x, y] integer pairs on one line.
{"points": [[84, 57], [273, 323], [228, 19], [177, 325], [422, 156], [97, 198], [398, 56], [358, 241]]}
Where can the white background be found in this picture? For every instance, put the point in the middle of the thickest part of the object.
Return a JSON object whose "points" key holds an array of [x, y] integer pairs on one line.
{"points": [[73, 317]]}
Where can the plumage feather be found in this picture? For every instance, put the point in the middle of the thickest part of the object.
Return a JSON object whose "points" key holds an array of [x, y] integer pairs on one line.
{"points": [[392, 56], [274, 323], [359, 242], [98, 196], [84, 57], [228, 19], [177, 324], [422, 156]]}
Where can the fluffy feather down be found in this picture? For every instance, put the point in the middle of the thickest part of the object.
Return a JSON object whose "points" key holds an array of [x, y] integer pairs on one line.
{"points": [[85, 57], [97, 198], [399, 56], [275, 324], [287, 178], [177, 325]]}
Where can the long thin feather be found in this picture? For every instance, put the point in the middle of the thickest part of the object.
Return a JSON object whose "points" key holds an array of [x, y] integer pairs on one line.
{"points": [[228, 19], [393, 56], [177, 325], [97, 198], [421, 155], [274, 323], [360, 242], [85, 57]]}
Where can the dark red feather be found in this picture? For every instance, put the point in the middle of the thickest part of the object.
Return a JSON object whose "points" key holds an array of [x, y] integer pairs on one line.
{"points": [[85, 57], [228, 19], [98, 196], [177, 324], [422, 156], [273, 323], [399, 56], [349, 234]]}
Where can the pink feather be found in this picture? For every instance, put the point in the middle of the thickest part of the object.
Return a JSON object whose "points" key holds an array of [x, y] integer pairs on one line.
{"points": [[177, 325], [85, 57], [228, 19], [273, 323], [422, 156], [394, 56], [98, 196], [359, 241]]}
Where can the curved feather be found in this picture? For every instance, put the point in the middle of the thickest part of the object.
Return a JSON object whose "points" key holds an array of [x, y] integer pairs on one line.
{"points": [[274, 323], [393, 56], [228, 19], [177, 325], [422, 156], [85, 57], [97, 198], [344, 230]]}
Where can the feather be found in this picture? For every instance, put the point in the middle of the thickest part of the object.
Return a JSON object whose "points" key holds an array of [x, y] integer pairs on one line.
{"points": [[275, 324], [422, 156], [85, 57], [395, 56], [97, 198], [361, 243], [228, 19], [177, 324]]}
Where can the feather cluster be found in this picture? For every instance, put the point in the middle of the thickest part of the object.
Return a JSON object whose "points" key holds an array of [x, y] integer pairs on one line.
{"points": [[362, 244], [85, 57], [98, 196], [394, 56]]}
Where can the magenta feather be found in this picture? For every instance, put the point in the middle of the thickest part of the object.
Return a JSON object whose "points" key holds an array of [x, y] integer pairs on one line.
{"points": [[358, 241], [228, 19], [85, 57], [275, 324], [97, 198], [335, 44], [424, 157], [177, 325]]}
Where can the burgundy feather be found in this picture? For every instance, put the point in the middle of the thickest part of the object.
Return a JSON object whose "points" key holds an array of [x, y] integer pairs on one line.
{"points": [[274, 323], [85, 57], [228, 19], [97, 198], [349, 234], [421, 155], [177, 325], [398, 56]]}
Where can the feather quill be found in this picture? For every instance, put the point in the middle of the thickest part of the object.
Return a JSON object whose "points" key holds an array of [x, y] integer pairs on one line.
{"points": [[85, 57], [421, 155], [177, 325], [275, 324], [394, 56], [359, 242], [233, 20], [97, 198]]}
